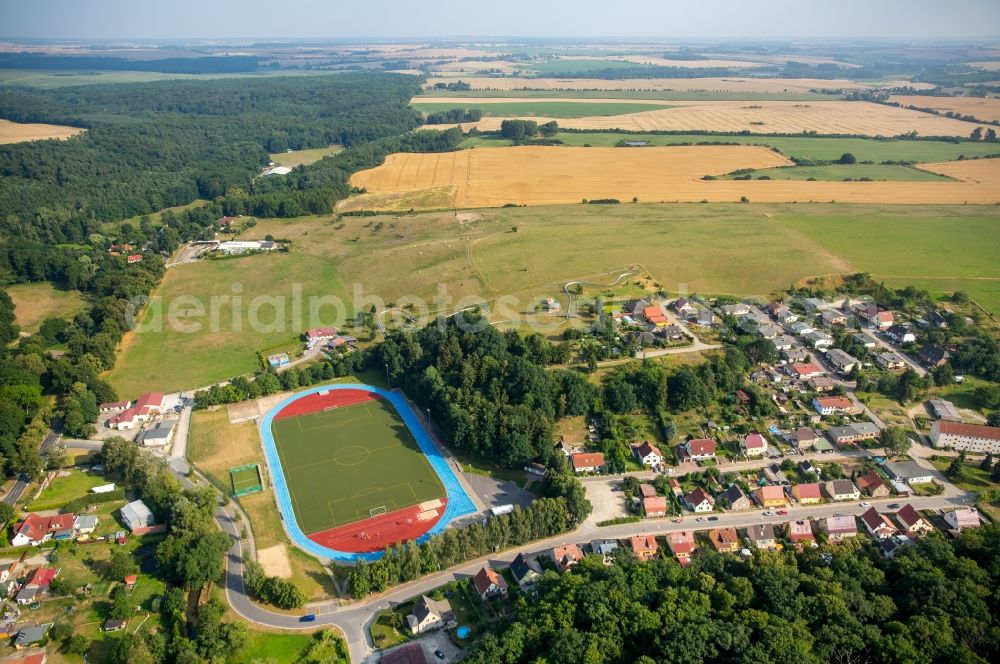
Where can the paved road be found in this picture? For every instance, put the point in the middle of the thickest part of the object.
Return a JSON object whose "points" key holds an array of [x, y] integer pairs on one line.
{"points": [[17, 490], [883, 343], [51, 438]]}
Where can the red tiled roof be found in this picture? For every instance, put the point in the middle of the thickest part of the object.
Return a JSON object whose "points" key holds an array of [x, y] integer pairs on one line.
{"points": [[800, 529], [697, 497], [648, 448], [486, 577], [587, 460], [655, 504], [770, 492], [754, 441], [970, 430], [840, 403], [131, 579], [869, 481], [42, 576], [908, 515], [643, 543], [700, 446], [806, 368], [807, 491], [321, 332]]}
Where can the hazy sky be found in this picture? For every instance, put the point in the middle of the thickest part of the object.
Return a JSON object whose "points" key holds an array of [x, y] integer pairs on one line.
{"points": [[206, 19]]}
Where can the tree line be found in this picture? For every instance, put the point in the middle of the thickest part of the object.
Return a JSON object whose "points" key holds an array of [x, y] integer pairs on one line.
{"points": [[453, 116]]}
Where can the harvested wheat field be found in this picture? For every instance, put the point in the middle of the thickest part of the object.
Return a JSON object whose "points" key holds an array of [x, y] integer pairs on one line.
{"points": [[550, 175], [17, 132], [733, 84], [664, 62], [983, 108], [766, 117]]}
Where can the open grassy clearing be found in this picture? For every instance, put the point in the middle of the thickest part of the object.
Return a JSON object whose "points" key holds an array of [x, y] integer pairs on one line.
{"points": [[553, 109], [64, 489], [771, 117], [227, 348], [64, 78], [33, 303], [940, 249], [555, 175], [839, 172], [17, 132], [576, 65], [814, 149], [302, 157], [983, 108]]}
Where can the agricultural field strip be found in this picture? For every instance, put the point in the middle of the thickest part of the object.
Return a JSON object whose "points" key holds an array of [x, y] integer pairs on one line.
{"points": [[17, 132], [547, 175], [983, 108], [728, 84]]}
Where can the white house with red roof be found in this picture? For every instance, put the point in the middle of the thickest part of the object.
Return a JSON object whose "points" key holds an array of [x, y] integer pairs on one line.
{"points": [[878, 525], [587, 462], [35, 529], [754, 445], [682, 545], [648, 454], [805, 370], [489, 583], [911, 523], [144, 408], [699, 449], [699, 501], [321, 334]]}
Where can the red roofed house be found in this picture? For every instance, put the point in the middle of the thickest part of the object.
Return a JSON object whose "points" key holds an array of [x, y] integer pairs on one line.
{"points": [[130, 581], [41, 577], [808, 493], [321, 333], [223, 222], [133, 258], [840, 527], [643, 546], [654, 316], [654, 506], [771, 496], [682, 545], [648, 454], [805, 370], [113, 406], [754, 445], [675, 488], [489, 584], [724, 540], [911, 523], [878, 525], [699, 501], [587, 462], [873, 484], [700, 449], [801, 531], [834, 406], [36, 529], [144, 407], [566, 556]]}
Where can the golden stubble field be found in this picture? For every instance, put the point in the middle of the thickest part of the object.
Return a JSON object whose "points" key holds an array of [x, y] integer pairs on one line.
{"points": [[17, 132], [728, 84], [759, 117], [984, 108], [489, 177]]}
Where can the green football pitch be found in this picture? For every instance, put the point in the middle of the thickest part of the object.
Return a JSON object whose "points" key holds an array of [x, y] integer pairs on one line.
{"points": [[345, 464]]}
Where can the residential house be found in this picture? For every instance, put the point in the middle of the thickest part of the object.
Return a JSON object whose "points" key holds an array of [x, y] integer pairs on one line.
{"points": [[85, 524], [761, 535], [699, 449], [410, 653], [113, 406], [874, 317], [853, 433], [933, 355], [654, 506], [587, 462], [317, 334], [843, 362], [805, 371], [648, 455], [604, 547], [805, 438], [835, 406], [139, 519], [736, 499], [430, 614], [643, 546], [654, 316], [132, 259], [878, 525], [785, 316], [900, 334], [725, 540], [130, 580], [872, 484], [754, 445], [969, 437], [773, 307], [144, 408], [782, 342], [818, 340], [800, 531], [839, 527], [910, 472], [945, 410], [891, 545], [672, 333], [566, 556], [960, 519], [775, 475], [833, 317], [38, 657], [890, 361], [808, 493], [114, 625], [225, 222], [675, 488], [735, 310], [840, 490], [683, 307], [699, 501], [7, 571], [682, 545], [800, 328], [30, 636], [864, 340], [526, 571], [937, 319], [821, 384], [704, 318], [644, 338], [489, 583], [159, 435], [911, 523], [35, 529], [635, 307], [814, 304], [770, 496]]}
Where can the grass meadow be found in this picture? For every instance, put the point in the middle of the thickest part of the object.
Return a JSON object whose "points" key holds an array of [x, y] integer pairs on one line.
{"points": [[35, 302], [304, 157], [545, 109], [662, 95], [838, 172]]}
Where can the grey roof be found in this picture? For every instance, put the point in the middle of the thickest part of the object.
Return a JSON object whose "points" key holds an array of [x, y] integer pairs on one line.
{"points": [[27, 593], [158, 433], [733, 494], [522, 565], [426, 606], [760, 531], [85, 521], [945, 410], [604, 546], [906, 469], [137, 515], [30, 635], [842, 487]]}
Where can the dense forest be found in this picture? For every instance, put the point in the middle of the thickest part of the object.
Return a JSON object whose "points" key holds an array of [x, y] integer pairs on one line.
{"points": [[934, 602], [210, 64]]}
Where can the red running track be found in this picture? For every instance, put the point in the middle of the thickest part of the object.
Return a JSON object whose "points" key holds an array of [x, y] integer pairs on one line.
{"points": [[378, 532], [314, 403]]}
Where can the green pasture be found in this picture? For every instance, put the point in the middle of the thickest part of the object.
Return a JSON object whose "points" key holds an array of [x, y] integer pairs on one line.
{"points": [[838, 172], [339, 464], [545, 109]]}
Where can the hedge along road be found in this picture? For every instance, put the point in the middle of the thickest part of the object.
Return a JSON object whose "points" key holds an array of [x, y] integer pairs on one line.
{"points": [[459, 504]]}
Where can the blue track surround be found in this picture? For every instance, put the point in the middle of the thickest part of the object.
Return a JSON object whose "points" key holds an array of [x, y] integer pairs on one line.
{"points": [[459, 503]]}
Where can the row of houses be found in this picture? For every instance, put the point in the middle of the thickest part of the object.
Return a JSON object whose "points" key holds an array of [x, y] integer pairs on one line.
{"points": [[36, 529]]}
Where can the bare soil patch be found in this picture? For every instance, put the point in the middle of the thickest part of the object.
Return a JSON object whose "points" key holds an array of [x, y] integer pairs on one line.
{"points": [[275, 561]]}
